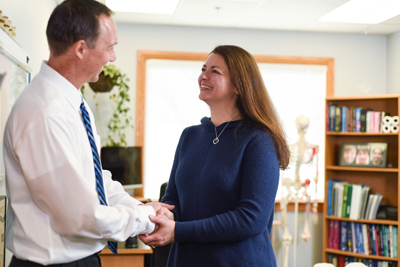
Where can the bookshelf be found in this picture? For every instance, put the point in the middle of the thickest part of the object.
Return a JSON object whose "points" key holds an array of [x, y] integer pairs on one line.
{"points": [[382, 180]]}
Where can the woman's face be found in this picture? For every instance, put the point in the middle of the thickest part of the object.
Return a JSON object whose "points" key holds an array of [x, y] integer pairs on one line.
{"points": [[362, 157], [376, 156], [215, 81]]}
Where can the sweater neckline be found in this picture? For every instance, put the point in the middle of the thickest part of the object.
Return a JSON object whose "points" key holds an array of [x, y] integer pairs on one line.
{"points": [[207, 123]]}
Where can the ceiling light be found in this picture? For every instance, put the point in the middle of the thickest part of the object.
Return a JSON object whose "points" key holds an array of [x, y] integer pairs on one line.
{"points": [[364, 11], [143, 6]]}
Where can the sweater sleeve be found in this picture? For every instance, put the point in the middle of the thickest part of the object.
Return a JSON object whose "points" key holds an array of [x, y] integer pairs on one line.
{"points": [[171, 193], [254, 214]]}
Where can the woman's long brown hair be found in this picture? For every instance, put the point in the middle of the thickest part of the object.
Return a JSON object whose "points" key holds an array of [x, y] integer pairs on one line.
{"points": [[254, 102]]}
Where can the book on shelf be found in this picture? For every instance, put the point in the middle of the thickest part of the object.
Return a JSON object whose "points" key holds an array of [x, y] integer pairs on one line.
{"points": [[330, 192], [365, 196], [354, 237], [378, 202], [354, 119], [343, 236], [360, 238], [356, 201], [338, 119], [395, 242], [336, 233], [391, 241], [349, 238], [365, 239], [368, 208], [344, 200]]}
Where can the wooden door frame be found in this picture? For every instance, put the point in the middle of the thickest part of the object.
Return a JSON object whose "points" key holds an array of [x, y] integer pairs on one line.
{"points": [[144, 55]]}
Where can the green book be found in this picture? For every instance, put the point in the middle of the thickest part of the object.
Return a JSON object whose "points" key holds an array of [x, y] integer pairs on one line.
{"points": [[349, 195], [344, 200], [385, 241]]}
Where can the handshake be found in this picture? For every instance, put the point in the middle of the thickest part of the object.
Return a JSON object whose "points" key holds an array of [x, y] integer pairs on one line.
{"points": [[164, 231]]}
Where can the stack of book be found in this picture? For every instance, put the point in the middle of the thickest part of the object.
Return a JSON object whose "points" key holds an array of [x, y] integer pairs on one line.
{"points": [[354, 119], [352, 200], [341, 261], [362, 238]]}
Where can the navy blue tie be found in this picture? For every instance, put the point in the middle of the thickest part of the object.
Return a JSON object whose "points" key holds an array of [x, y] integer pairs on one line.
{"points": [[97, 167]]}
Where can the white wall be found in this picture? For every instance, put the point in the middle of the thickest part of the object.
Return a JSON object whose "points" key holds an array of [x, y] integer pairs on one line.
{"points": [[30, 18], [393, 63]]}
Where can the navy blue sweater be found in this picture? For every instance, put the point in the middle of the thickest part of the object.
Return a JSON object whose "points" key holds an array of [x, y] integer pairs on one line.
{"points": [[224, 196]]}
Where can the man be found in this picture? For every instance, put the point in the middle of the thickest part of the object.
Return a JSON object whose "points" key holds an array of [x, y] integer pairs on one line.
{"points": [[54, 183]]}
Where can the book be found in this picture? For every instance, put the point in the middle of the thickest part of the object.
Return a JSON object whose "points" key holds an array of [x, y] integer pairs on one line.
{"points": [[373, 206], [360, 238], [349, 127], [349, 237], [363, 120], [385, 240], [365, 239], [356, 201], [331, 233], [378, 202], [344, 200], [381, 242], [391, 241], [365, 196], [330, 193], [369, 203], [358, 120], [338, 119], [354, 237], [332, 116], [344, 119], [370, 244], [336, 233], [374, 245], [343, 236], [395, 242], [368, 121], [349, 199]]}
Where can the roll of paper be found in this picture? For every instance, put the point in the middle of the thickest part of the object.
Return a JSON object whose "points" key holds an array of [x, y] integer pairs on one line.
{"points": [[386, 128], [387, 120], [395, 120], [394, 128]]}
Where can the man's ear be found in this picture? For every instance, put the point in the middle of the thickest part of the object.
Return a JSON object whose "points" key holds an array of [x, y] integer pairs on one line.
{"points": [[80, 47]]}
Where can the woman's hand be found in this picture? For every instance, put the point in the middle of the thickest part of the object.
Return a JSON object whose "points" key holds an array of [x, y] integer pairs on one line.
{"points": [[163, 234]]}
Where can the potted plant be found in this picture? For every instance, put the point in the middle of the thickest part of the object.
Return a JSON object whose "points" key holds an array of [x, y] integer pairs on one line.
{"points": [[111, 78]]}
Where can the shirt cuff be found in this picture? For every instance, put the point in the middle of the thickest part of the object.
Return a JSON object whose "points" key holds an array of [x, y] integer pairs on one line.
{"points": [[144, 223]]}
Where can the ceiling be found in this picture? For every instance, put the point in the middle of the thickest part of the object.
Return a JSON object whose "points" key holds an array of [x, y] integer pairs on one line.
{"points": [[283, 15]]}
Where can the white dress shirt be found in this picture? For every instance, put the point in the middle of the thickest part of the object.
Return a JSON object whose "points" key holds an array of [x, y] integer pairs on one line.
{"points": [[54, 213]]}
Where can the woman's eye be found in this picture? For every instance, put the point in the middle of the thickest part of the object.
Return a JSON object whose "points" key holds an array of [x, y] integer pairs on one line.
{"points": [[216, 72]]}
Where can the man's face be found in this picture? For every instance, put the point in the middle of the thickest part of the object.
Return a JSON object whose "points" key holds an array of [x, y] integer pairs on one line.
{"points": [[349, 155], [103, 51]]}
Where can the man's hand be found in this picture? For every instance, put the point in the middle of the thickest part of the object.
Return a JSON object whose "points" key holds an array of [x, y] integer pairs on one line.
{"points": [[164, 233], [165, 212], [158, 205]]}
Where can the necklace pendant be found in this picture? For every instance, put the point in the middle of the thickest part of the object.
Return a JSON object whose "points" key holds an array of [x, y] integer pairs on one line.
{"points": [[216, 141]]}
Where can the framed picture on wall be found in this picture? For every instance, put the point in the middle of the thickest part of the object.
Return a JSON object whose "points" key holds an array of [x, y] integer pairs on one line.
{"points": [[363, 154]]}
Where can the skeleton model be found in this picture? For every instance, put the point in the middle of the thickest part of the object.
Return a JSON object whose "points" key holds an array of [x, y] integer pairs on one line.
{"points": [[301, 153]]}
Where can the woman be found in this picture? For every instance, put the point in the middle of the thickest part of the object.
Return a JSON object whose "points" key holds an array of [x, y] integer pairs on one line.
{"points": [[226, 171]]}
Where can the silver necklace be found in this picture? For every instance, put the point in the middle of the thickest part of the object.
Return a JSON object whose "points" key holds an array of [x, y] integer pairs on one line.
{"points": [[216, 140]]}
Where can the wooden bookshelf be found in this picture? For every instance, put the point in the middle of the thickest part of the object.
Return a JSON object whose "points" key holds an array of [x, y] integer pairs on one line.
{"points": [[382, 180]]}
